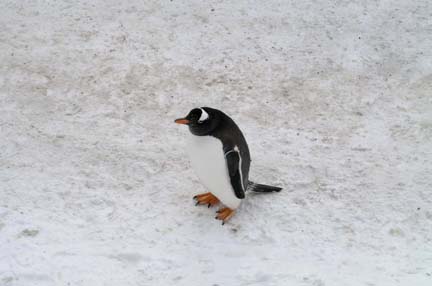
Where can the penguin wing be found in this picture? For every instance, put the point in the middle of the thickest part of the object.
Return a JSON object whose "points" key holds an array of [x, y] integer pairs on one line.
{"points": [[234, 170]]}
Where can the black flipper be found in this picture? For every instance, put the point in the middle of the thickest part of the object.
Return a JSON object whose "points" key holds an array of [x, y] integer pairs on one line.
{"points": [[233, 160], [260, 188]]}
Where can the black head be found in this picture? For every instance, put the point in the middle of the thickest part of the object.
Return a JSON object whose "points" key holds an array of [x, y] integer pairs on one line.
{"points": [[201, 121]]}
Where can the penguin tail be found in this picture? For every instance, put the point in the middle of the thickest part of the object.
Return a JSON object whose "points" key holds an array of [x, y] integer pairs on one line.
{"points": [[260, 188]]}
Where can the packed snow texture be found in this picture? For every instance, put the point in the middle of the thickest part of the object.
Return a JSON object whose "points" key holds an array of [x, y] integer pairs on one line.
{"points": [[334, 98]]}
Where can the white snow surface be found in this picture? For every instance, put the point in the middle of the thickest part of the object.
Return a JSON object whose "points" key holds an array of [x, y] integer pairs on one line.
{"points": [[334, 98]]}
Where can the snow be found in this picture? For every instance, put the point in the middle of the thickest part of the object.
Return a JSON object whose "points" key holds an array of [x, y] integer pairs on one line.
{"points": [[334, 98]]}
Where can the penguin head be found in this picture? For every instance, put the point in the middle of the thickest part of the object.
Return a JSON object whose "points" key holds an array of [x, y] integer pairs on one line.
{"points": [[201, 121]]}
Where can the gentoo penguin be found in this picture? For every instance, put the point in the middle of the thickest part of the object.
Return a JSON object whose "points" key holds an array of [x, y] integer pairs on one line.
{"points": [[220, 157]]}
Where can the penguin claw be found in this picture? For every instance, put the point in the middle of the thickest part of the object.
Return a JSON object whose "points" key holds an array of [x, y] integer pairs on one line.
{"points": [[224, 214], [206, 199]]}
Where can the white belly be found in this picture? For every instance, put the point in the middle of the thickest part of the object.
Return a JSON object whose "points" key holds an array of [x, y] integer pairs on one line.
{"points": [[208, 161]]}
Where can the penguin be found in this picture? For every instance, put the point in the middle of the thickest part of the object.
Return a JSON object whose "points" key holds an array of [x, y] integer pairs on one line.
{"points": [[219, 155]]}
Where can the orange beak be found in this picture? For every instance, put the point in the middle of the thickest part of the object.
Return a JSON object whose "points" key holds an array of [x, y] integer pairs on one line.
{"points": [[182, 121]]}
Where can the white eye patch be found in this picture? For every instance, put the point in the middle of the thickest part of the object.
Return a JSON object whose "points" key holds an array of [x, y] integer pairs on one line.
{"points": [[204, 115]]}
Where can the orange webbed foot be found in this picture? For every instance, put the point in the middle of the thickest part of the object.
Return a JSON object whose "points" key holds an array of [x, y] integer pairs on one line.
{"points": [[206, 199], [224, 214]]}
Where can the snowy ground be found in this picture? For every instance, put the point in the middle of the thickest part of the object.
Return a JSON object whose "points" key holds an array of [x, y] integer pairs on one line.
{"points": [[334, 97]]}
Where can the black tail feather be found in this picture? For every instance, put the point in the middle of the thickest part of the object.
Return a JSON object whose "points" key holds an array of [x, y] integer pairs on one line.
{"points": [[260, 188]]}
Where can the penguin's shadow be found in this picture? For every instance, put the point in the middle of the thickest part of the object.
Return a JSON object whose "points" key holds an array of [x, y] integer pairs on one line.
{"points": [[258, 203]]}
